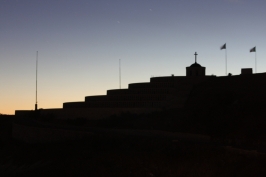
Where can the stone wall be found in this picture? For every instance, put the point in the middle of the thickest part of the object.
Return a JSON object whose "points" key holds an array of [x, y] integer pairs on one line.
{"points": [[159, 93], [36, 134], [92, 113]]}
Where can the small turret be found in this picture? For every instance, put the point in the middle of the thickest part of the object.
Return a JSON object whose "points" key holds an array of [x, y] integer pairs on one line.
{"points": [[195, 70]]}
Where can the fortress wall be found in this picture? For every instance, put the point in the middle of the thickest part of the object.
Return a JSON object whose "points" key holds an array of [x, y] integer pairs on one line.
{"points": [[139, 85], [167, 78], [135, 97], [92, 113], [22, 112], [117, 91], [35, 134], [158, 85], [155, 88], [233, 91], [121, 104], [180, 79], [160, 93], [138, 97], [74, 104], [46, 134], [149, 94], [95, 98]]}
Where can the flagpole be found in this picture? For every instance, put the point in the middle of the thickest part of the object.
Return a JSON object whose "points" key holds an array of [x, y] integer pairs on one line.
{"points": [[36, 102], [225, 61], [119, 73], [224, 47], [254, 50]]}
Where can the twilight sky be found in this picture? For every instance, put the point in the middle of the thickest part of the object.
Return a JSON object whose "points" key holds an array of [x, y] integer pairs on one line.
{"points": [[80, 43]]}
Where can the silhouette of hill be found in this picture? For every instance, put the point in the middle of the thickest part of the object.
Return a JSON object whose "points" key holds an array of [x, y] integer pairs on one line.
{"points": [[229, 109], [135, 156]]}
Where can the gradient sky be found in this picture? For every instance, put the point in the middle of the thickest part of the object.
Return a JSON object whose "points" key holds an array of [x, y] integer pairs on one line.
{"points": [[80, 43]]}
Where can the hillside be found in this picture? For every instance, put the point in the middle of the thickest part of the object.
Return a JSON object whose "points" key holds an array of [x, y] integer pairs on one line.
{"points": [[229, 109], [136, 157]]}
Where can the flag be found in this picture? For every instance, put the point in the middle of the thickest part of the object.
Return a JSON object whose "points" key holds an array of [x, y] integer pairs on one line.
{"points": [[223, 46], [253, 49]]}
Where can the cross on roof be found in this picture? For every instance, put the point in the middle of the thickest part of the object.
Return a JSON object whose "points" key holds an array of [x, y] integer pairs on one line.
{"points": [[195, 57]]}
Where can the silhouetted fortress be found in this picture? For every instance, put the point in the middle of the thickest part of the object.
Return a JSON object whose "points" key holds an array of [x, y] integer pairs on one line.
{"points": [[158, 94], [196, 95]]}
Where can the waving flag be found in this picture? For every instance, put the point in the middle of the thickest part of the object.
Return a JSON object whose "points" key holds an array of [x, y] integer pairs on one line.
{"points": [[223, 47], [253, 49]]}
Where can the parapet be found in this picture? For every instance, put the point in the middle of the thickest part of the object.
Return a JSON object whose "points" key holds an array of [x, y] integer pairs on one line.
{"points": [[245, 71], [95, 98], [117, 92]]}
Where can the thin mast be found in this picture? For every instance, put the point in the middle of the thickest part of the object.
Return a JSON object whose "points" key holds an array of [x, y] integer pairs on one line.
{"points": [[119, 74], [254, 50], [224, 47], [255, 61], [225, 61], [36, 102]]}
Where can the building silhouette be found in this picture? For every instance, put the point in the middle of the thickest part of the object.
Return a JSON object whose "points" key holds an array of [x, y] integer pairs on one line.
{"points": [[158, 94]]}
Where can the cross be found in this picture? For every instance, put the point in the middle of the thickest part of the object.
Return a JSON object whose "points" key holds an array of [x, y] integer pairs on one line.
{"points": [[195, 57]]}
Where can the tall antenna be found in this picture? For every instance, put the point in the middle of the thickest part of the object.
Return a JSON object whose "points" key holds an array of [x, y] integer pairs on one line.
{"points": [[36, 102], [120, 73]]}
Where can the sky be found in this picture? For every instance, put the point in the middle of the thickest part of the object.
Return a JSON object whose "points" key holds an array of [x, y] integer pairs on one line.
{"points": [[80, 43]]}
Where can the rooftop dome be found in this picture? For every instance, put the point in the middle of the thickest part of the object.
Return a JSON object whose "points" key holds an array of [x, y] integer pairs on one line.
{"points": [[195, 65]]}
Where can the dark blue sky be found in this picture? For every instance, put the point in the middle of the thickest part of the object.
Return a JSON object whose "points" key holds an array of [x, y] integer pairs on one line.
{"points": [[80, 43]]}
